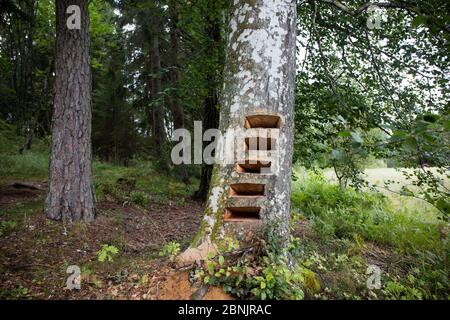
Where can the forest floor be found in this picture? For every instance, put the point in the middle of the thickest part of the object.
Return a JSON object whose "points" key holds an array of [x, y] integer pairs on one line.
{"points": [[35, 252]]}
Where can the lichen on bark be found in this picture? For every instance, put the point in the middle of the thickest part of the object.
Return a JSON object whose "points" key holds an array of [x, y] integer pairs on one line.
{"points": [[258, 79]]}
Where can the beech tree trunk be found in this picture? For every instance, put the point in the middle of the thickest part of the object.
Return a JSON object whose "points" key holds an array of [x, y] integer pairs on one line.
{"points": [[259, 81], [71, 193]]}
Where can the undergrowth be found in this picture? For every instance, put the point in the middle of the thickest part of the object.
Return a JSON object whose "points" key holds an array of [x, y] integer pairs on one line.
{"points": [[140, 183], [341, 213], [340, 236]]}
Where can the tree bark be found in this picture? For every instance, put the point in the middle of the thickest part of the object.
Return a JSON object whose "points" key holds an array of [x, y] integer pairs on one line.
{"points": [[177, 109], [210, 121], [71, 193], [211, 103], [158, 127], [259, 79]]}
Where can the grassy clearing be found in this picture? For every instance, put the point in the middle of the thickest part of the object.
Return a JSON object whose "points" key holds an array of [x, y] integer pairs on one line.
{"points": [[351, 230], [334, 212], [378, 176], [140, 184]]}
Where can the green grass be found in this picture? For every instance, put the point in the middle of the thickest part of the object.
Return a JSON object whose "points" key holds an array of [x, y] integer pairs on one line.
{"points": [[344, 221], [32, 164], [378, 176], [144, 183], [145, 178], [14, 216], [335, 212], [29, 166]]}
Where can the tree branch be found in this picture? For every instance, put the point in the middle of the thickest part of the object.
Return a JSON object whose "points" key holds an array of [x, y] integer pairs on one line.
{"points": [[367, 5]]}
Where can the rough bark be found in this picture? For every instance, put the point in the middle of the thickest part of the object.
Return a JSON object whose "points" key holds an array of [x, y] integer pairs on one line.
{"points": [[71, 194], [259, 78]]}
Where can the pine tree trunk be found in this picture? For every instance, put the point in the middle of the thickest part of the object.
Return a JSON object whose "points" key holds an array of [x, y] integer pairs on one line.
{"points": [[71, 194], [158, 131], [259, 80]]}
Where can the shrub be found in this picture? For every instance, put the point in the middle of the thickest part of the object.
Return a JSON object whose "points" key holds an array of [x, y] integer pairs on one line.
{"points": [[170, 250], [268, 277], [106, 253], [7, 226], [139, 198]]}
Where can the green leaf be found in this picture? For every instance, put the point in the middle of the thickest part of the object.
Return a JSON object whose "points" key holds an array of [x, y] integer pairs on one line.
{"points": [[211, 267], [221, 260], [443, 205], [344, 134], [410, 144], [418, 21]]}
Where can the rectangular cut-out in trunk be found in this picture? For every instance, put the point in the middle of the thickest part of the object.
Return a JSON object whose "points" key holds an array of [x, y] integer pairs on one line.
{"points": [[262, 121], [257, 143], [253, 167], [246, 189], [242, 214]]}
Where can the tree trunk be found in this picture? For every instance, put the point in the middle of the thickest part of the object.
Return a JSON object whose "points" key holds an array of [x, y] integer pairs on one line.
{"points": [[158, 128], [177, 109], [259, 81], [71, 194], [211, 103], [210, 121]]}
